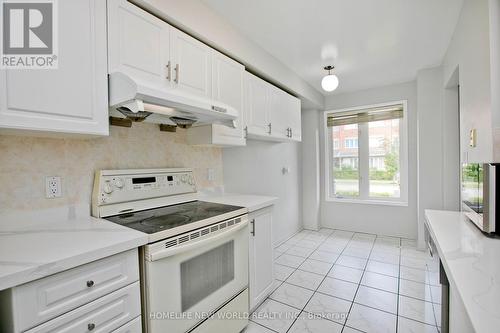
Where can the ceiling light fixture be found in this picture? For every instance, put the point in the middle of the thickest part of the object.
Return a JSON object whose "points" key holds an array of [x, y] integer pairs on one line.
{"points": [[330, 82]]}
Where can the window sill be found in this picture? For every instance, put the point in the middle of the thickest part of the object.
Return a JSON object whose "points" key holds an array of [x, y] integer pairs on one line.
{"points": [[369, 202]]}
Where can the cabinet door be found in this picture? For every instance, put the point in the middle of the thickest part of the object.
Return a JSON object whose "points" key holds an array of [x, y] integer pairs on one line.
{"points": [[256, 105], [261, 256], [279, 116], [295, 118], [72, 98], [191, 64], [228, 89], [139, 44]]}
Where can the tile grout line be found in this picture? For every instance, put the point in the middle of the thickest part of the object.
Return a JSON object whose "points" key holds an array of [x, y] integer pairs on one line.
{"points": [[333, 264], [294, 270], [359, 284], [399, 286]]}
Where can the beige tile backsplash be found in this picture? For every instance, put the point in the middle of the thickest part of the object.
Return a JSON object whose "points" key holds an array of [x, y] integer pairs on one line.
{"points": [[25, 161]]}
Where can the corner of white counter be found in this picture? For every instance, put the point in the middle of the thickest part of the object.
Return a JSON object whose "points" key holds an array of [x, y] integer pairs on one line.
{"points": [[40, 243], [471, 261], [250, 201]]}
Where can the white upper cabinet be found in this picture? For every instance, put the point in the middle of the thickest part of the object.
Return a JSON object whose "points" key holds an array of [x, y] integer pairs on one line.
{"points": [[139, 44], [227, 87], [191, 61], [256, 106], [279, 113], [72, 98], [295, 119], [271, 114]]}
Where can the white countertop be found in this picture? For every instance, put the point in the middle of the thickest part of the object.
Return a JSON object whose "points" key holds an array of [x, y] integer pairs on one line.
{"points": [[472, 264], [251, 202], [40, 243]]}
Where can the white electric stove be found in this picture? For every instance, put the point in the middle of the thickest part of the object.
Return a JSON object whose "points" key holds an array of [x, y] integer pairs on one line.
{"points": [[194, 271]]}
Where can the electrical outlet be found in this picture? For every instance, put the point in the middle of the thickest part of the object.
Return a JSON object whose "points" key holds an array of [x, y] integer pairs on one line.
{"points": [[53, 187], [210, 174]]}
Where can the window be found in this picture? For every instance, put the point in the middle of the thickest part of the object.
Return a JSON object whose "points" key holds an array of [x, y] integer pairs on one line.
{"points": [[351, 143], [336, 144], [371, 167]]}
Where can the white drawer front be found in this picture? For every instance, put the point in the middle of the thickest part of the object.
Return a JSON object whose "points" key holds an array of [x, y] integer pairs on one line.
{"points": [[102, 315], [47, 298], [134, 326]]}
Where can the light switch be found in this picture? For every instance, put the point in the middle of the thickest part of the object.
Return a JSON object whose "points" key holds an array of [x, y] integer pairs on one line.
{"points": [[211, 174], [473, 138]]}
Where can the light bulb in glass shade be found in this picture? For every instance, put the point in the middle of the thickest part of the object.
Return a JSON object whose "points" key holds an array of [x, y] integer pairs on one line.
{"points": [[330, 82]]}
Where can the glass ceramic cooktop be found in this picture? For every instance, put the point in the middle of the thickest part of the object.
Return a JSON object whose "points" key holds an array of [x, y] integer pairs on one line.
{"points": [[159, 219]]}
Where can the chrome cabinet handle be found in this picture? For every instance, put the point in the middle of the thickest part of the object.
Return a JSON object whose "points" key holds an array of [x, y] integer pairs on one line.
{"points": [[246, 131], [90, 283], [169, 71], [288, 132], [253, 227], [90, 326], [177, 70], [270, 128], [291, 132]]}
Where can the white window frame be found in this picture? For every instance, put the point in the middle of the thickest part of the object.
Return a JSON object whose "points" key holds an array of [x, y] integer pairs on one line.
{"points": [[363, 144]]}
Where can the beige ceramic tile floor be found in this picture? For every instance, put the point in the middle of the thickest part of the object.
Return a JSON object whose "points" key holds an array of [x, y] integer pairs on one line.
{"points": [[339, 281]]}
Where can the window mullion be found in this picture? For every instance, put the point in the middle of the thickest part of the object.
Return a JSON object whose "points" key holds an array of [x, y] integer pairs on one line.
{"points": [[364, 168]]}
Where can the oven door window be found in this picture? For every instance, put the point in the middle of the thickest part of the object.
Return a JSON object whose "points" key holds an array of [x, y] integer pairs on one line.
{"points": [[205, 274]]}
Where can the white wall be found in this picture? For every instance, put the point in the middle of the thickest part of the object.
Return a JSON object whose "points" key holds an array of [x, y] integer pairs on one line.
{"points": [[201, 21], [257, 169], [438, 149], [494, 9], [310, 170], [387, 220], [469, 52]]}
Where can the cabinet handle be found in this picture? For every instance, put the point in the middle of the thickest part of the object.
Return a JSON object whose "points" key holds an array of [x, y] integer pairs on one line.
{"points": [[176, 69], [169, 71], [291, 132], [270, 128], [253, 227], [246, 132], [288, 132], [90, 283], [91, 326]]}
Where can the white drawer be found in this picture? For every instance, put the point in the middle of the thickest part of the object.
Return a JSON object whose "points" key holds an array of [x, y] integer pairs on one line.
{"points": [[100, 316], [134, 326], [41, 300]]}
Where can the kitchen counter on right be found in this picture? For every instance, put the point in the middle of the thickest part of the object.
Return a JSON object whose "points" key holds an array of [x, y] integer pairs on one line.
{"points": [[472, 264], [250, 201]]}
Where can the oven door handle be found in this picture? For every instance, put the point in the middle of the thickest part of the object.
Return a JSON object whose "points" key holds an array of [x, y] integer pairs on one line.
{"points": [[164, 253]]}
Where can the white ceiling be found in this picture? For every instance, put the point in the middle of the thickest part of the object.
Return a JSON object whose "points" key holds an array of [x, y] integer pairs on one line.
{"points": [[371, 42]]}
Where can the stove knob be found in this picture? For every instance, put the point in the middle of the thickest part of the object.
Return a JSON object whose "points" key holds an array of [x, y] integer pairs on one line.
{"points": [[107, 188], [118, 183]]}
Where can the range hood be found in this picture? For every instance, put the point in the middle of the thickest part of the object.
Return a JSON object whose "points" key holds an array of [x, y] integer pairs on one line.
{"points": [[139, 100]]}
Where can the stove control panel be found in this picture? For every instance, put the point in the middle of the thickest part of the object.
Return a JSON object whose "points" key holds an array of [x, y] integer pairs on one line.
{"points": [[129, 185]]}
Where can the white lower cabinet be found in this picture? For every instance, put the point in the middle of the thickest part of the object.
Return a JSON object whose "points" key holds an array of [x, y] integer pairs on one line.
{"points": [[134, 326], [100, 296], [261, 256], [102, 315]]}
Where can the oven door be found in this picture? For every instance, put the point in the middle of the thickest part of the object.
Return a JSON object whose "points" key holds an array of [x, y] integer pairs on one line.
{"points": [[187, 282]]}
